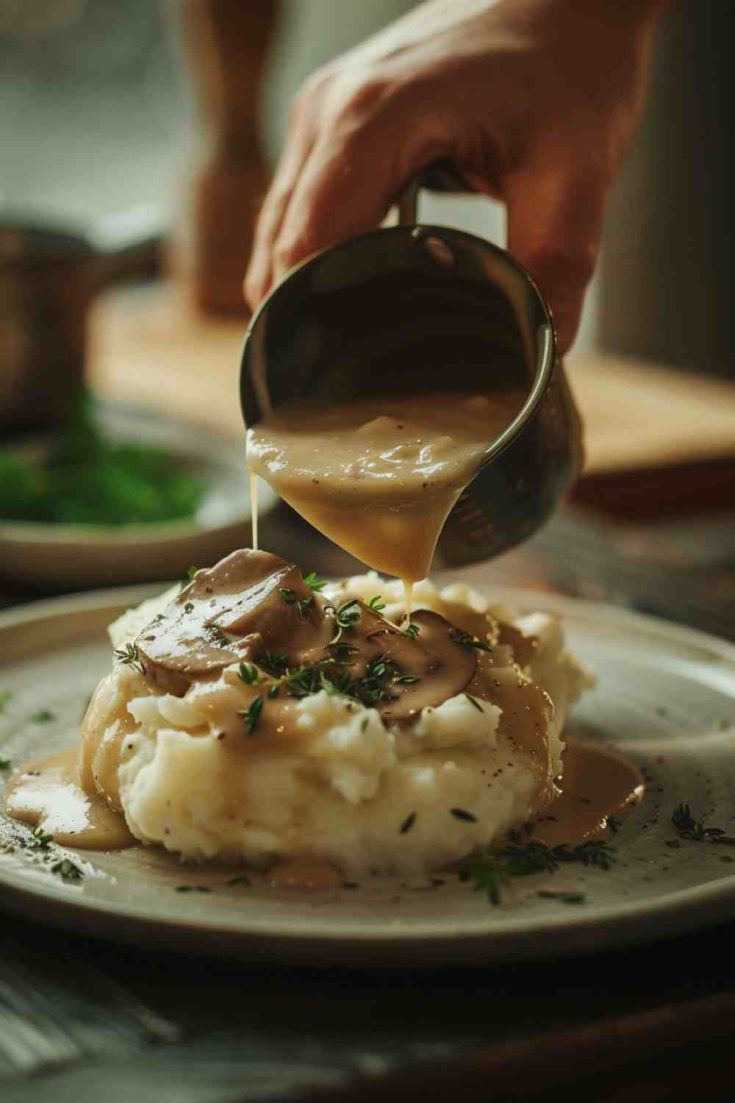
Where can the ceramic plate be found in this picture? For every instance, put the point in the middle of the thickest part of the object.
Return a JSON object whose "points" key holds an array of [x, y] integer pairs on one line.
{"points": [[70, 556], [665, 698]]}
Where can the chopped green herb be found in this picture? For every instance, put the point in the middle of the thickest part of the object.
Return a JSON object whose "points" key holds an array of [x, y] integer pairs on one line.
{"points": [[189, 577], [241, 879], [189, 607], [408, 823], [688, 828], [67, 870], [273, 691], [313, 581], [300, 604], [563, 897], [5, 697], [5, 764], [491, 870], [465, 639], [722, 723], [251, 715], [192, 888], [406, 679], [463, 814], [363, 728], [41, 841], [128, 656], [247, 673], [43, 716], [87, 477], [411, 630], [474, 702], [275, 665], [342, 653], [376, 604], [345, 616]]}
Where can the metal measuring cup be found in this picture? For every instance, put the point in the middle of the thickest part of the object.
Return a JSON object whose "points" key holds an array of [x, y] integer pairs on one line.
{"points": [[414, 308]]}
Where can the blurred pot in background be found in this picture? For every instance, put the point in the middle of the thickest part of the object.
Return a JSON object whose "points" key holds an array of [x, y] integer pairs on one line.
{"points": [[48, 277]]}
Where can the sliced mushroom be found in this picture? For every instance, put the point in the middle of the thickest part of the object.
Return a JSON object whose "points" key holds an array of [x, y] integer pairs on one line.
{"points": [[248, 603]]}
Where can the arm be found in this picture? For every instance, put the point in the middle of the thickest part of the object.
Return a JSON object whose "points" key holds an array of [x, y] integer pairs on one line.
{"points": [[534, 100]]}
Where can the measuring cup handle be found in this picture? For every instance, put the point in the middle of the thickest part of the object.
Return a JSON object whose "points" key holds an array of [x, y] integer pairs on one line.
{"points": [[439, 176]]}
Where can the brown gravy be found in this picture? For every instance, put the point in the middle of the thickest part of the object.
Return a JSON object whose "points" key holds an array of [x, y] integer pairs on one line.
{"points": [[379, 476], [597, 787], [47, 794]]}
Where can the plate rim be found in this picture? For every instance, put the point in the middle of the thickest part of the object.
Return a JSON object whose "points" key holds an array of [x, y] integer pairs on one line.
{"points": [[526, 938]]}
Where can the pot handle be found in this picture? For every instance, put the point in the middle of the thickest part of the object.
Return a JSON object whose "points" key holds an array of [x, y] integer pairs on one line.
{"points": [[441, 176]]}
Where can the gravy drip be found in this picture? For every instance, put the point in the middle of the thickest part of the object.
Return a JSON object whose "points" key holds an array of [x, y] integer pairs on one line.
{"points": [[379, 476], [597, 786], [47, 794]]}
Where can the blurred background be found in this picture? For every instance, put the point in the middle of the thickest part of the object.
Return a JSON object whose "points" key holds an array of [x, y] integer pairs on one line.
{"points": [[147, 130]]}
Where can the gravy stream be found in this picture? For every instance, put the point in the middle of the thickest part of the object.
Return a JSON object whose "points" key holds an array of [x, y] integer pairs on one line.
{"points": [[47, 794], [379, 476]]}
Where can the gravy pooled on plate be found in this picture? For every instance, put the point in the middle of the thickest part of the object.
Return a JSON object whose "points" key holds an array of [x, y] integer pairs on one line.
{"points": [[379, 476]]}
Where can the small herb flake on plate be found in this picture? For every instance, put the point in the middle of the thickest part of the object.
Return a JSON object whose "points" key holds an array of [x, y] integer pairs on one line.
{"points": [[563, 897], [67, 870], [192, 888], [407, 823], [313, 581], [687, 827], [463, 814], [43, 716], [5, 697]]}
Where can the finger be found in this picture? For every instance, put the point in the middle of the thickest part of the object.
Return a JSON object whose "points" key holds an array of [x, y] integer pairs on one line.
{"points": [[554, 228], [350, 181], [299, 141]]}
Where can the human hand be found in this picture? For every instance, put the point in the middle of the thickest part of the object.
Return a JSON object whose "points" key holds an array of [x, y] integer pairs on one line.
{"points": [[533, 100]]}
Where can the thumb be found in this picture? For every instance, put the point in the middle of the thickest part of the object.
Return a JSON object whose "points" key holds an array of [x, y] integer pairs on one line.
{"points": [[554, 228]]}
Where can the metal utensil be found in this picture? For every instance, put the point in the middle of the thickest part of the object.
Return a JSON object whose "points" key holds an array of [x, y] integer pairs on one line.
{"points": [[410, 309], [48, 277]]}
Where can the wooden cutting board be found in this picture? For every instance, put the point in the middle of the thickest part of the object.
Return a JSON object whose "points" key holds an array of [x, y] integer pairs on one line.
{"points": [[656, 438]]}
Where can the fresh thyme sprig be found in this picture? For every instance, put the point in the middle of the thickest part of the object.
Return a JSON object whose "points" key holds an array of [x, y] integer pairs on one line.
{"points": [[376, 604], [300, 604], [411, 630], [687, 827], [128, 656], [345, 616], [491, 870]]}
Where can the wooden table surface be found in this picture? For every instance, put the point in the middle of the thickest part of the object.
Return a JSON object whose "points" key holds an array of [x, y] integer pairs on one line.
{"points": [[82, 1020]]}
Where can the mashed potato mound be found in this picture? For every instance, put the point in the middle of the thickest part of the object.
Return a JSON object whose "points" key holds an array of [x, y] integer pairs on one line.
{"points": [[332, 779]]}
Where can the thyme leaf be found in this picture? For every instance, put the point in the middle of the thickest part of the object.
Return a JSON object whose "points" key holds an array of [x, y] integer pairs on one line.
{"points": [[43, 716], [376, 604], [411, 630], [251, 715], [300, 604], [313, 581], [466, 639], [128, 656], [248, 674]]}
